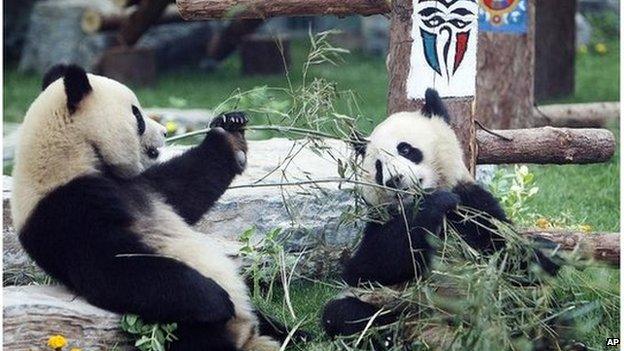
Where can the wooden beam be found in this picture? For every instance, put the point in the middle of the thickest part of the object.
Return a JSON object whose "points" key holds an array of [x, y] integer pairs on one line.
{"points": [[211, 9], [603, 247], [94, 21], [585, 115], [545, 145]]}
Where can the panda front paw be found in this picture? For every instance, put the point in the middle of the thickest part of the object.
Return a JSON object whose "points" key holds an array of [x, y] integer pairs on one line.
{"points": [[440, 202], [230, 126], [231, 121]]}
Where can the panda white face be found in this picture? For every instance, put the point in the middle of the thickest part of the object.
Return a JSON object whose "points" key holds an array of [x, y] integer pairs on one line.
{"points": [[411, 151]]}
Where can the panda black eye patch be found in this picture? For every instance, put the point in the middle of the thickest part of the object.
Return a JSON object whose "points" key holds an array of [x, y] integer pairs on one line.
{"points": [[409, 152], [140, 121]]}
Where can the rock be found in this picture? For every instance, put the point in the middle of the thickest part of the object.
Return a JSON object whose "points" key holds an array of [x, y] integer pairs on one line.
{"points": [[34, 313], [16, 19], [309, 217], [54, 35]]}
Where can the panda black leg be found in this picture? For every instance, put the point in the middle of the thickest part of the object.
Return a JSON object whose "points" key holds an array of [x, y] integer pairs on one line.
{"points": [[202, 337], [278, 331], [349, 315]]}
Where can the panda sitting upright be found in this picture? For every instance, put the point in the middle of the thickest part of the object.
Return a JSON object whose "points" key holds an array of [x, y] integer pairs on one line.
{"points": [[91, 214], [412, 150]]}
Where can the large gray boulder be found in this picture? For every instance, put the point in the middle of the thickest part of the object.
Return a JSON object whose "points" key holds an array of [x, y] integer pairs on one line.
{"points": [[310, 216]]}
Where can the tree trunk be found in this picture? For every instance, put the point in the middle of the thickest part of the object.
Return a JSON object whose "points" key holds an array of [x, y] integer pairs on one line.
{"points": [[209, 9], [545, 145], [587, 115], [555, 29], [505, 77]]}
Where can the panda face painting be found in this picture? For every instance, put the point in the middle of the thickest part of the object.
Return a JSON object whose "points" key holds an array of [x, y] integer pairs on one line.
{"points": [[86, 182], [411, 151]]}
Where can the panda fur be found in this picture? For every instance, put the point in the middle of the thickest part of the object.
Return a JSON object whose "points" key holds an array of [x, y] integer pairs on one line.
{"points": [[411, 150], [118, 233]]}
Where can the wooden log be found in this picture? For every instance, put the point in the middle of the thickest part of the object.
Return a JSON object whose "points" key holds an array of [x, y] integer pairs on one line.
{"points": [[94, 22], [586, 115], [34, 313], [210, 9], [147, 13], [603, 247], [546, 145]]}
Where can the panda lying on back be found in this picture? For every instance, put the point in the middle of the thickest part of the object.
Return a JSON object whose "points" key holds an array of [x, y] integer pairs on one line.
{"points": [[412, 150], [91, 215]]}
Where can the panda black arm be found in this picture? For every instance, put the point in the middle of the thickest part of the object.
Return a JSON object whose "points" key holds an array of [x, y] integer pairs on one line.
{"points": [[80, 235], [193, 181], [385, 255], [483, 234]]}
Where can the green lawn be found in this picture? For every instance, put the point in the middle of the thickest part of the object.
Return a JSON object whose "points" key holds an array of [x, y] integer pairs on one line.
{"points": [[586, 194]]}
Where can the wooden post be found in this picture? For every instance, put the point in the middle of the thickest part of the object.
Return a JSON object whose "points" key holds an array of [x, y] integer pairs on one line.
{"points": [[505, 67], [408, 45]]}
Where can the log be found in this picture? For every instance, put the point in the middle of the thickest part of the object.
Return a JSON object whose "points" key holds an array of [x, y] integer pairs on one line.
{"points": [[586, 115], [546, 145], [603, 247], [94, 21], [34, 313], [147, 13], [211, 9]]}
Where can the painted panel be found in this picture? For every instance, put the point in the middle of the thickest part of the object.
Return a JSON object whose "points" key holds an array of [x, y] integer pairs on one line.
{"points": [[503, 16], [444, 48]]}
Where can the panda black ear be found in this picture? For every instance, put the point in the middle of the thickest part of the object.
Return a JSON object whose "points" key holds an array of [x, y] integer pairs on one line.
{"points": [[359, 142], [54, 73], [77, 86], [434, 106]]}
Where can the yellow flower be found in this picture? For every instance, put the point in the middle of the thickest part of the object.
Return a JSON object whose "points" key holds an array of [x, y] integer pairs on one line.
{"points": [[57, 342], [586, 228], [601, 48], [171, 126], [543, 223], [75, 349], [582, 49]]}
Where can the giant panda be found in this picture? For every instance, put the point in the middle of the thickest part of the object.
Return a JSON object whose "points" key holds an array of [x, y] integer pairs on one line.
{"points": [[95, 212], [412, 150]]}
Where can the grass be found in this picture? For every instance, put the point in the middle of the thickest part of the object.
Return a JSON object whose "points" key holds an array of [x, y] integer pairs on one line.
{"points": [[583, 193]]}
